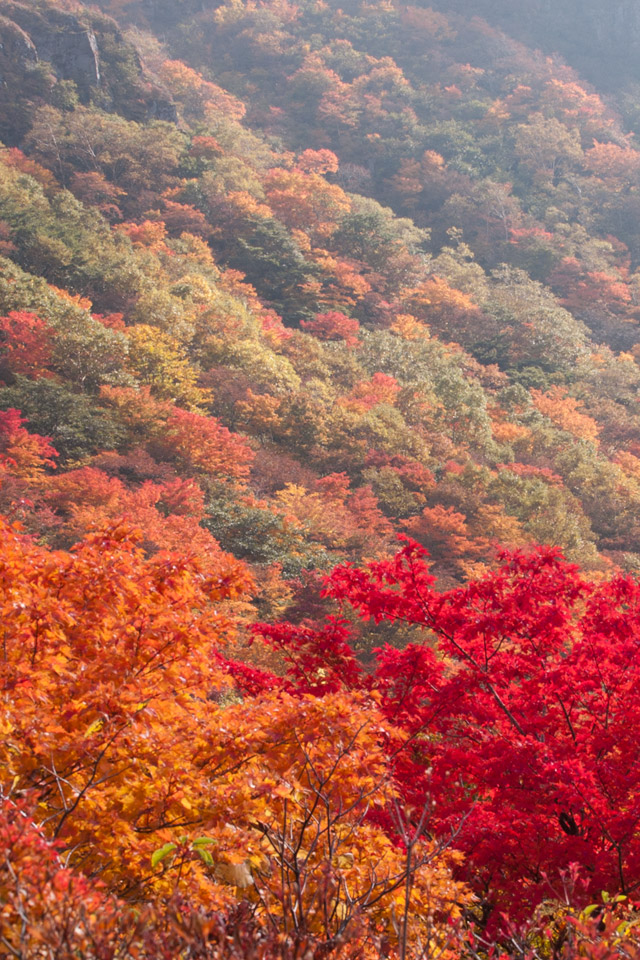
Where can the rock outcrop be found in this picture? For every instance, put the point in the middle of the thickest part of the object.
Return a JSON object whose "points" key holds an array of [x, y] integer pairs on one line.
{"points": [[57, 37], [40, 41]]}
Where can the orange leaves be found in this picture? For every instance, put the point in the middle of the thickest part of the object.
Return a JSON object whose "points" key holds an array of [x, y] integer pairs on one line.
{"points": [[336, 520], [198, 95], [205, 148], [457, 543], [368, 393], [343, 283], [443, 530], [207, 446], [435, 296], [570, 103], [613, 160], [106, 659], [149, 233], [318, 161], [244, 204], [181, 218], [407, 327], [273, 328], [137, 409], [629, 463], [565, 412], [319, 768], [504, 430], [169, 513], [450, 312], [13, 157], [305, 201], [259, 413], [113, 722], [193, 441]]}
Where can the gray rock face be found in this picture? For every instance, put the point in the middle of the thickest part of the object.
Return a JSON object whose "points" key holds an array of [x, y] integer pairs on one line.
{"points": [[57, 37], [88, 50], [15, 44]]}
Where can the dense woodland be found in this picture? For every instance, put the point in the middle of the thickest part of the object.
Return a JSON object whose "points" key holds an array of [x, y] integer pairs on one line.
{"points": [[320, 478]]}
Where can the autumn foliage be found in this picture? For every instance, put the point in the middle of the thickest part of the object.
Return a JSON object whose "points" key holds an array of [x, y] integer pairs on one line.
{"points": [[519, 702], [286, 282], [360, 809], [125, 739]]}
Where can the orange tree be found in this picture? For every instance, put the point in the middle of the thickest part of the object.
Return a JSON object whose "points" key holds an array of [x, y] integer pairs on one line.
{"points": [[151, 759]]}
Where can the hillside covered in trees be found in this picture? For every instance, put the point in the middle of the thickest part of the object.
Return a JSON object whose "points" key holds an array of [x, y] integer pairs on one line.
{"points": [[320, 477]]}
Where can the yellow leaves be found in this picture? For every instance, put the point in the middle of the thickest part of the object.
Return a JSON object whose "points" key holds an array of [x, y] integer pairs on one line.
{"points": [[96, 726], [407, 327], [492, 522], [331, 526], [436, 295], [543, 142], [159, 361]]}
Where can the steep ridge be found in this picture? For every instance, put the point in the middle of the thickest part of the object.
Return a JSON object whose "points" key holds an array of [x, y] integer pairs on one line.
{"points": [[463, 368]]}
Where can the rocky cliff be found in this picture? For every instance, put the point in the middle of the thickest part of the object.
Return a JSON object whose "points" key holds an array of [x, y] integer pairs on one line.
{"points": [[41, 45]]}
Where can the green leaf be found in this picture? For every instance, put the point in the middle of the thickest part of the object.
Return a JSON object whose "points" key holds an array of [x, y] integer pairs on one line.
{"points": [[590, 909], [204, 841], [161, 853], [205, 856]]}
